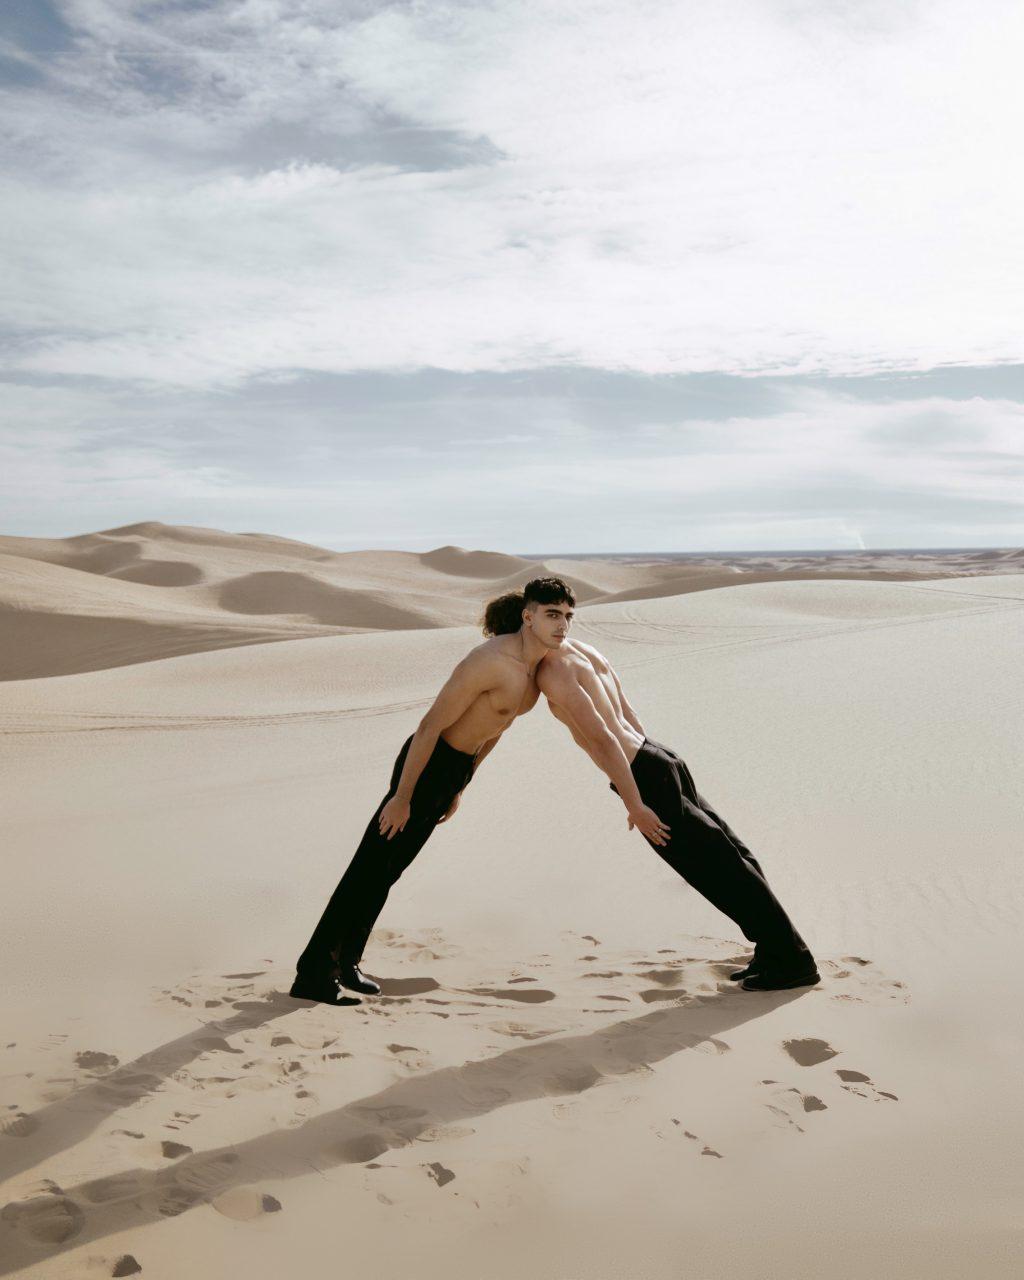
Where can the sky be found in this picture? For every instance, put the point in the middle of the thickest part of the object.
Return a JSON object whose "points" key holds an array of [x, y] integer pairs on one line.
{"points": [[571, 275]]}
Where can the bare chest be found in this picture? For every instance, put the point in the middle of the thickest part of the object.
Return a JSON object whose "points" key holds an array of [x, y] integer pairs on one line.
{"points": [[516, 693]]}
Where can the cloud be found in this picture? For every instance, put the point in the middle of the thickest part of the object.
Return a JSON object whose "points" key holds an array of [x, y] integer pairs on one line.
{"points": [[580, 462], [201, 194]]}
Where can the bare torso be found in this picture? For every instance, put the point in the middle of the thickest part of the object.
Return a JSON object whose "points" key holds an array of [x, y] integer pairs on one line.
{"points": [[512, 692], [592, 672]]}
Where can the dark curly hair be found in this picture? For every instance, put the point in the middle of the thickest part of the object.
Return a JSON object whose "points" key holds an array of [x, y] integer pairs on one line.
{"points": [[504, 615]]}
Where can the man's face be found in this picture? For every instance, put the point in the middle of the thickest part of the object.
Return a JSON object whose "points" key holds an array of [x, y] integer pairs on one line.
{"points": [[551, 622]]}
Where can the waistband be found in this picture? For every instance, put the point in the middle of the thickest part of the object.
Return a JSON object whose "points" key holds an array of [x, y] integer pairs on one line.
{"points": [[446, 749], [454, 752], [646, 743]]}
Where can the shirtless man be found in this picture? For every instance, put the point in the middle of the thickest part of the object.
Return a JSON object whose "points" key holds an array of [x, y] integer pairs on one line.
{"points": [[488, 689], [584, 692]]}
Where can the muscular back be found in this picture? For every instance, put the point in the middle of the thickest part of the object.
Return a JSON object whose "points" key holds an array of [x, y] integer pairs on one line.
{"points": [[576, 669]]}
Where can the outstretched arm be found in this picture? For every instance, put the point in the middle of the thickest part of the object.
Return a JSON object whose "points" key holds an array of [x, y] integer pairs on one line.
{"points": [[561, 688], [473, 676]]}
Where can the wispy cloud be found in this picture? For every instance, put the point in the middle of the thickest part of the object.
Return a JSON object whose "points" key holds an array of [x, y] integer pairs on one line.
{"points": [[598, 463], [198, 194]]}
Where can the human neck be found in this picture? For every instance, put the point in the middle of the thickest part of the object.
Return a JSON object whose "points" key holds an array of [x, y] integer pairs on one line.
{"points": [[532, 649]]}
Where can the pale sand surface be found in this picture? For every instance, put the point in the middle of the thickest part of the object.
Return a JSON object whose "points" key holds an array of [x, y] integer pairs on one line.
{"points": [[558, 1080]]}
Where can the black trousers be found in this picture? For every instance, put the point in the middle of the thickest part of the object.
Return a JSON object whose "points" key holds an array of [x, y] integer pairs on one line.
{"points": [[711, 857], [362, 891]]}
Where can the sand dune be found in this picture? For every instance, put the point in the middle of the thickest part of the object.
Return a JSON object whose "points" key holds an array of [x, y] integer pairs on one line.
{"points": [[558, 1075], [460, 563], [146, 591]]}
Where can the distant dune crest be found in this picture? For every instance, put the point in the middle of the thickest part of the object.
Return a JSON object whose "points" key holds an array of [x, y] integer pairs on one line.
{"points": [[145, 591]]}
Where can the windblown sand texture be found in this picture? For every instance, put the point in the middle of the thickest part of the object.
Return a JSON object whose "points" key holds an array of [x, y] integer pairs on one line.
{"points": [[558, 1080]]}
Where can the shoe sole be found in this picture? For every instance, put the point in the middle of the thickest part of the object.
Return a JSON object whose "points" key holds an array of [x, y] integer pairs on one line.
{"points": [[319, 995], [808, 980]]}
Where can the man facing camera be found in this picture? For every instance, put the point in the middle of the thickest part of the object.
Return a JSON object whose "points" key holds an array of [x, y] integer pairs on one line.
{"points": [[488, 689]]}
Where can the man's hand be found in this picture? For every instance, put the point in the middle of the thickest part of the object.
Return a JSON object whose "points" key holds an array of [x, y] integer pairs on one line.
{"points": [[394, 816], [647, 822], [451, 808]]}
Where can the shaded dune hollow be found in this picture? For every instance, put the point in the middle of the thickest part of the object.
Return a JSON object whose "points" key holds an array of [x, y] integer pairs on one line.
{"points": [[276, 592], [149, 591], [39, 644]]}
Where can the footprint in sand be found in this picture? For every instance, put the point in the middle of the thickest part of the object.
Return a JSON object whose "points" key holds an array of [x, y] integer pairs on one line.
{"points": [[664, 977], [391, 1114], [19, 1125], [788, 1098], [574, 1079], [692, 1137], [205, 1175], [444, 1132], [117, 1187], [94, 1060], [50, 1218], [521, 1032], [407, 986], [808, 1053], [439, 1173], [711, 1044], [361, 1148], [535, 995], [862, 1086], [243, 1204], [180, 1119]]}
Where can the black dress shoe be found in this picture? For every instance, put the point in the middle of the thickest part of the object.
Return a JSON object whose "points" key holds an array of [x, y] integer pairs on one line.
{"points": [[323, 989], [352, 977], [755, 964], [781, 979]]}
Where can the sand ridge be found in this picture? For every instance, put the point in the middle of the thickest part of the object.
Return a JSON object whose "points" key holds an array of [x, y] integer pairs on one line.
{"points": [[147, 591]]}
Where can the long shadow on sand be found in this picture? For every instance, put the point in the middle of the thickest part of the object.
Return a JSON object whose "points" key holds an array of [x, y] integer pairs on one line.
{"points": [[50, 1224], [63, 1124]]}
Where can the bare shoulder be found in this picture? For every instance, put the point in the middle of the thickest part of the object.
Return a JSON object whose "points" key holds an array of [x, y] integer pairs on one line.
{"points": [[597, 659], [560, 668], [483, 660]]}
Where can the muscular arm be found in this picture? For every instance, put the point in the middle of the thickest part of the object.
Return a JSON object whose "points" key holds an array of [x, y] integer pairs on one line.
{"points": [[560, 687], [473, 676]]}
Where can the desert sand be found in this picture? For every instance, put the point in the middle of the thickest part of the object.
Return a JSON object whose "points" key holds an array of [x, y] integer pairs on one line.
{"points": [[558, 1080]]}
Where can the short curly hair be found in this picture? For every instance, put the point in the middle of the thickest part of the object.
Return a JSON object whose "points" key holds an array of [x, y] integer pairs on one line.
{"points": [[504, 615]]}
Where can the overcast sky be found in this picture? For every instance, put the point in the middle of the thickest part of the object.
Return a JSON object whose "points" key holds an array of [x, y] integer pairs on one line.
{"points": [[580, 275]]}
